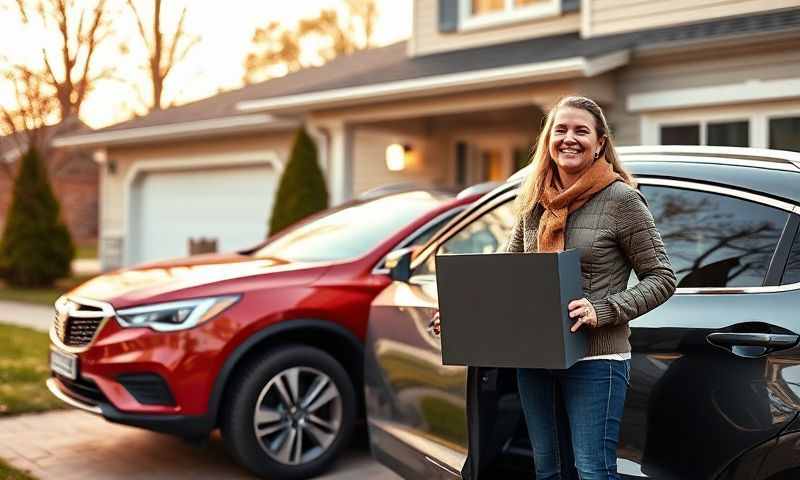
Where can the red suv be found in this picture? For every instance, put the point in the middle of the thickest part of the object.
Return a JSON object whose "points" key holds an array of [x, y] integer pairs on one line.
{"points": [[265, 344]]}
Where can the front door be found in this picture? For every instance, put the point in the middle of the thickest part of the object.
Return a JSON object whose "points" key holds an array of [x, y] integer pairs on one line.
{"points": [[417, 406]]}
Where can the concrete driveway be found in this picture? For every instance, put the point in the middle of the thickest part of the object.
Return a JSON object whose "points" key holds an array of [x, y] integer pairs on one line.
{"points": [[70, 444]]}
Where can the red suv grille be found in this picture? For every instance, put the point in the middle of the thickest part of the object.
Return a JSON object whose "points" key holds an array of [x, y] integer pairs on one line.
{"points": [[76, 324]]}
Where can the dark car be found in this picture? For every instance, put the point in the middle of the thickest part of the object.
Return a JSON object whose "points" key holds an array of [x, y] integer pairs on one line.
{"points": [[265, 344], [715, 381]]}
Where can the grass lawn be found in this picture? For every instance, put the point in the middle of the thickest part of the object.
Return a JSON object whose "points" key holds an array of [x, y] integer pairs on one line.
{"points": [[23, 370], [41, 296], [86, 251], [10, 473]]}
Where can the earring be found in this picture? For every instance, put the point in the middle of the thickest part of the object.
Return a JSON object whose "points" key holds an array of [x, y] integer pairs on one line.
{"points": [[596, 155]]}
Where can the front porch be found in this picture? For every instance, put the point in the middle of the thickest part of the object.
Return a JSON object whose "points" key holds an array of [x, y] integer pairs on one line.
{"points": [[451, 141]]}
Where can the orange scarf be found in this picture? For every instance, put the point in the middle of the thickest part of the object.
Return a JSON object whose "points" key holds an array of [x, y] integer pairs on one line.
{"points": [[558, 203]]}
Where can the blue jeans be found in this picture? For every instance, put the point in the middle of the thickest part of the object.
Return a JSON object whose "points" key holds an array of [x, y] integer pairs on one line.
{"points": [[593, 396]]}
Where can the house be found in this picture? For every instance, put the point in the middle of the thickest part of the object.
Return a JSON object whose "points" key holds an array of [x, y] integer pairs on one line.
{"points": [[73, 174], [460, 102]]}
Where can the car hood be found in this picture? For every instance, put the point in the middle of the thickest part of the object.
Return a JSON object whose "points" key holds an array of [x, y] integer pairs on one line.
{"points": [[195, 276]]}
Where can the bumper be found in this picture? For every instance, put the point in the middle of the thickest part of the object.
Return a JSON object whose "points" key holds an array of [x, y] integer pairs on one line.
{"points": [[190, 426]]}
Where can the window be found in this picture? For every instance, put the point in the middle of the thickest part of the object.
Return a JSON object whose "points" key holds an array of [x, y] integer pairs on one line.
{"points": [[481, 7], [728, 134], [759, 125], [784, 133], [485, 234], [792, 272], [426, 234], [714, 240], [484, 13], [725, 134], [680, 135], [350, 232]]}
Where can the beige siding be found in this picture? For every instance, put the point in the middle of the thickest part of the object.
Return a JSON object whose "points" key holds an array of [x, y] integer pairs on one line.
{"points": [[426, 38], [604, 17], [776, 61]]}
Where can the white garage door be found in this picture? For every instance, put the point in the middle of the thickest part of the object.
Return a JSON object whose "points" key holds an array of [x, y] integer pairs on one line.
{"points": [[231, 205]]}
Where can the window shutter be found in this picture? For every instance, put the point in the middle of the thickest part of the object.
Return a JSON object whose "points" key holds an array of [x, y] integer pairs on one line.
{"points": [[570, 6], [448, 15]]}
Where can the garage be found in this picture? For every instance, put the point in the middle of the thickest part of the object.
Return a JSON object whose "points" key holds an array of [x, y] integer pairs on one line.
{"points": [[229, 204]]}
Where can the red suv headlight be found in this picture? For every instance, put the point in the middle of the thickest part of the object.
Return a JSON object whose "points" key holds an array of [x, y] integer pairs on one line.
{"points": [[178, 315]]}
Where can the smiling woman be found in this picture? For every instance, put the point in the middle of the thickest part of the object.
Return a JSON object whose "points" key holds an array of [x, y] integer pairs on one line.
{"points": [[578, 196]]}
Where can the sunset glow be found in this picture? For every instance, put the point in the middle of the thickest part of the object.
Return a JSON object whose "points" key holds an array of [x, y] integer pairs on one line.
{"points": [[214, 64]]}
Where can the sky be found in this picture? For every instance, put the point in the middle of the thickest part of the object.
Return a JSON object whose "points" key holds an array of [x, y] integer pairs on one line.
{"points": [[216, 63]]}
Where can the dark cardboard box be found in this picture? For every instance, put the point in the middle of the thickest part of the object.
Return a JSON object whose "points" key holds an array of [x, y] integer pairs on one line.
{"points": [[509, 309]]}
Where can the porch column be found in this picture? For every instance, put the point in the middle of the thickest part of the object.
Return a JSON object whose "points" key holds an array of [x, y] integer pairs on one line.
{"points": [[340, 162]]}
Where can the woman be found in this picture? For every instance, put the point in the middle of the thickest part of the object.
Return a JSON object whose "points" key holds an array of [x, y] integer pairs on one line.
{"points": [[578, 195]]}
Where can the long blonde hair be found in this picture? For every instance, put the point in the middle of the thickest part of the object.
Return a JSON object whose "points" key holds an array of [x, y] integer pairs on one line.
{"points": [[531, 191]]}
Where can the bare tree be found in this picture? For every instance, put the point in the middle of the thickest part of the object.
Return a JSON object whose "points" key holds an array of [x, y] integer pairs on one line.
{"points": [[66, 70], [164, 50], [23, 126], [278, 50]]}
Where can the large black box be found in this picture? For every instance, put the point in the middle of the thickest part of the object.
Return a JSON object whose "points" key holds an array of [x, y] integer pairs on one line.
{"points": [[509, 309]]}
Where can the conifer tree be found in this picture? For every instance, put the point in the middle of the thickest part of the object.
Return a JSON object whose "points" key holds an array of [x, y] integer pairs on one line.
{"points": [[36, 247], [302, 189]]}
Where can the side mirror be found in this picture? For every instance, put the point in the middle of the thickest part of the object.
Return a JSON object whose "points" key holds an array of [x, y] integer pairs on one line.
{"points": [[399, 264]]}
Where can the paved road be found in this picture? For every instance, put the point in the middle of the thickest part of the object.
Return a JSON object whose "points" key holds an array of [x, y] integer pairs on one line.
{"points": [[38, 317], [72, 445]]}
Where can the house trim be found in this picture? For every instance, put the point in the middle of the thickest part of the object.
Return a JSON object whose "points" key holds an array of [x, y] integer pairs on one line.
{"points": [[140, 167], [448, 83], [748, 91], [586, 18], [230, 124]]}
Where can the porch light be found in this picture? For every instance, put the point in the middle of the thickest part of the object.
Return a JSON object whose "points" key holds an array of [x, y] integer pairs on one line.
{"points": [[396, 156], [100, 155]]}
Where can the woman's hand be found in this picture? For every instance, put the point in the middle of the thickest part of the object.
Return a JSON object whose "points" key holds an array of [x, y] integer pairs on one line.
{"points": [[584, 311], [436, 324]]}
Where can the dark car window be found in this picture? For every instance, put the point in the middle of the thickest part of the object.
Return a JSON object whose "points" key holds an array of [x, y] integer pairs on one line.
{"points": [[714, 240], [792, 272], [483, 235], [350, 232], [428, 233]]}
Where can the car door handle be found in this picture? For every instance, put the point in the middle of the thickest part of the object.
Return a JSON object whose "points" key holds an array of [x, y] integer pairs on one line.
{"points": [[768, 340]]}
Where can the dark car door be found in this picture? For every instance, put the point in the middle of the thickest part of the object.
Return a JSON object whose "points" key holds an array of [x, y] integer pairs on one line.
{"points": [[416, 406], [713, 371]]}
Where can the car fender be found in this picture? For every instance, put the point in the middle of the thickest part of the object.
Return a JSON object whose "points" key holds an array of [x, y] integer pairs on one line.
{"points": [[779, 454], [271, 332]]}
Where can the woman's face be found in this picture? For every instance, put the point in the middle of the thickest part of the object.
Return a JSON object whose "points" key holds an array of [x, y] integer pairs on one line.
{"points": [[574, 140]]}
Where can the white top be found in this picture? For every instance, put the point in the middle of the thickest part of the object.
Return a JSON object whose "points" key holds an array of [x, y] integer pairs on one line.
{"points": [[611, 356]]}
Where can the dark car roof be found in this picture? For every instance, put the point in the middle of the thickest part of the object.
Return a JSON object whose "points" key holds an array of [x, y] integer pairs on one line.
{"points": [[772, 173], [780, 184]]}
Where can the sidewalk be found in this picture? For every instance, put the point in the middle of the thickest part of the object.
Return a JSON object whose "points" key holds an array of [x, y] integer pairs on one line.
{"points": [[86, 266], [38, 317], [72, 445]]}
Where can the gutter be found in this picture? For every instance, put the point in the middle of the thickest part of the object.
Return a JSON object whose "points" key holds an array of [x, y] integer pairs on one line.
{"points": [[439, 84], [172, 131]]}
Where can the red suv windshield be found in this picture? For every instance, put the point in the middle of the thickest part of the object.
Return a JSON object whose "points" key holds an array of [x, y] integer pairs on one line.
{"points": [[350, 232]]}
